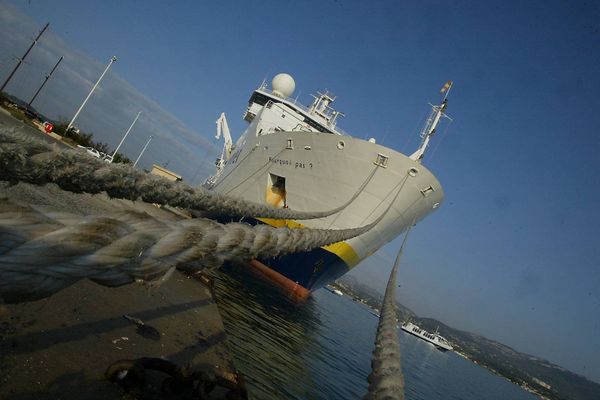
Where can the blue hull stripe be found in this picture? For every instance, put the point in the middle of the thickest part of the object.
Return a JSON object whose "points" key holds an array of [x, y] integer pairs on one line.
{"points": [[312, 269]]}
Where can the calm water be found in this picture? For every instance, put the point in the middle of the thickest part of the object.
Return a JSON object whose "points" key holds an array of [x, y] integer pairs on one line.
{"points": [[322, 349]]}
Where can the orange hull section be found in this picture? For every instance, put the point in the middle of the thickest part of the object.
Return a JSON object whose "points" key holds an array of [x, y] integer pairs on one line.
{"points": [[290, 288]]}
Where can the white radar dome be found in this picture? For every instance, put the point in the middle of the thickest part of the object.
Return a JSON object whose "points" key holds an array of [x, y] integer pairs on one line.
{"points": [[283, 85]]}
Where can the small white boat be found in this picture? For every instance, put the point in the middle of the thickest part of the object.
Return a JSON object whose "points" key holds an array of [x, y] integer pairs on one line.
{"points": [[434, 338]]}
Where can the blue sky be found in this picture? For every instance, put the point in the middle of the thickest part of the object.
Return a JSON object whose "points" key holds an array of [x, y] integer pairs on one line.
{"points": [[513, 253]]}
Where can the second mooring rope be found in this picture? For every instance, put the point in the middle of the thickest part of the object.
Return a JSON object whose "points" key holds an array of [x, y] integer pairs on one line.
{"points": [[386, 380], [24, 159]]}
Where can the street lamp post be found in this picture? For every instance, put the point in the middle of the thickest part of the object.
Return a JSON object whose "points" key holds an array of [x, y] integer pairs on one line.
{"points": [[112, 60], [143, 150], [124, 136]]}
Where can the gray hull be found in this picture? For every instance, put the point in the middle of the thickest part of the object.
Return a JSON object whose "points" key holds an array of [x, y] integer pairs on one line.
{"points": [[322, 171]]}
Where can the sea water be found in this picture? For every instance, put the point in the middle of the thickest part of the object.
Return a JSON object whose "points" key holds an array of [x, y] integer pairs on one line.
{"points": [[322, 348]]}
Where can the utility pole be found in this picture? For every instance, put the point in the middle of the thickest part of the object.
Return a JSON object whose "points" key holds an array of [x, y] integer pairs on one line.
{"points": [[45, 80], [124, 136], [112, 60], [24, 55], [143, 150]]}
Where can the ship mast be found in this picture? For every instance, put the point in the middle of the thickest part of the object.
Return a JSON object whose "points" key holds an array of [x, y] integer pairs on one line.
{"points": [[437, 112]]}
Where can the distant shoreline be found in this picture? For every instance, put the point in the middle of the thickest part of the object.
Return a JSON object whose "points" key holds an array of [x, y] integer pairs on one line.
{"points": [[370, 303]]}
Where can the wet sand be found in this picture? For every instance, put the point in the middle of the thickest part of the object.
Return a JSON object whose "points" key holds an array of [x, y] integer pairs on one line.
{"points": [[60, 347]]}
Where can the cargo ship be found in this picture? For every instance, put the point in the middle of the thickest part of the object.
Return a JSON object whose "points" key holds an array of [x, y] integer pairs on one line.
{"points": [[297, 157]]}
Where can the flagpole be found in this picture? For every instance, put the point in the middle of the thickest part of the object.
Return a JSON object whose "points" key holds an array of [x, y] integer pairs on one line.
{"points": [[448, 91]]}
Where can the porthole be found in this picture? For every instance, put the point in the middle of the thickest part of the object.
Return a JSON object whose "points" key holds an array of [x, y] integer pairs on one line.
{"points": [[413, 171], [341, 145], [436, 205]]}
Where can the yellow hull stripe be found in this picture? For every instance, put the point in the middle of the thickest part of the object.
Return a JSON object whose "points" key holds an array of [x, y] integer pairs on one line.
{"points": [[341, 249]]}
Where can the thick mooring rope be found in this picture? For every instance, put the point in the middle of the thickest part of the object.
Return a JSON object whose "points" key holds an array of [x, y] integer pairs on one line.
{"points": [[41, 253], [28, 160], [386, 380]]}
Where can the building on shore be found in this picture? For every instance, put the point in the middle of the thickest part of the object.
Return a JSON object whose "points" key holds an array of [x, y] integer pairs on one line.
{"points": [[161, 171]]}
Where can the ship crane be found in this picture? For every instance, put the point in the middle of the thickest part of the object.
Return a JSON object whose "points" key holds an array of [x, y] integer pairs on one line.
{"points": [[223, 129], [437, 112]]}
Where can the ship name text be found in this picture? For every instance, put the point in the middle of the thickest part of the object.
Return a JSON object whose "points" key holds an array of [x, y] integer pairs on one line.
{"points": [[295, 164]]}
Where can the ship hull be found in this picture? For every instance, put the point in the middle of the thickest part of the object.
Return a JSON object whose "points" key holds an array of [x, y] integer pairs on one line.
{"points": [[310, 269], [316, 171]]}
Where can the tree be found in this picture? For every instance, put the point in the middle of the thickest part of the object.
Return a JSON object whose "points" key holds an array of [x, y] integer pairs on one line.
{"points": [[101, 147], [119, 158]]}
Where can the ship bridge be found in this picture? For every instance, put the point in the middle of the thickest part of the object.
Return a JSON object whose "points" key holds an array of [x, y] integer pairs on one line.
{"points": [[319, 117]]}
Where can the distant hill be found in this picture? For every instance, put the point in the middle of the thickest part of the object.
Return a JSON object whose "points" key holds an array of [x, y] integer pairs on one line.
{"points": [[533, 373]]}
